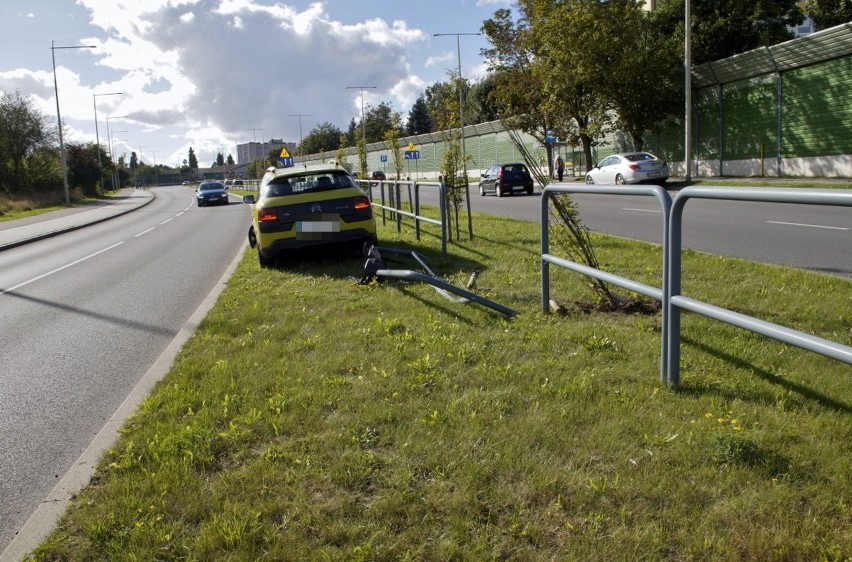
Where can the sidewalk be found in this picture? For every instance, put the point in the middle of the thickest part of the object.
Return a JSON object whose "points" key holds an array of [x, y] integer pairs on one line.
{"points": [[22, 231]]}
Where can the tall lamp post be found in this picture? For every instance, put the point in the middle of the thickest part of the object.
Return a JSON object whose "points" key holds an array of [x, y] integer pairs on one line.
{"points": [[461, 123], [53, 48], [300, 115], [97, 136], [109, 142], [363, 129], [116, 177]]}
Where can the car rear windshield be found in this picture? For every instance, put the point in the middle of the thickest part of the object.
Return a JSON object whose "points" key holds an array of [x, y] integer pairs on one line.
{"points": [[307, 183], [639, 157], [211, 186], [514, 168]]}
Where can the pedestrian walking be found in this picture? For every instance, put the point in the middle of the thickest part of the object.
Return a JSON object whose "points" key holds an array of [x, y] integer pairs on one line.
{"points": [[560, 167]]}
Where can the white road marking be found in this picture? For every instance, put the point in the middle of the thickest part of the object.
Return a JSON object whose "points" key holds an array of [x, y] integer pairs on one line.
{"points": [[641, 210], [808, 225], [144, 232], [58, 269], [165, 221]]}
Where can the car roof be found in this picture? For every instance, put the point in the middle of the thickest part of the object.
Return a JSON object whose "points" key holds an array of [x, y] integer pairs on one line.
{"points": [[300, 170]]}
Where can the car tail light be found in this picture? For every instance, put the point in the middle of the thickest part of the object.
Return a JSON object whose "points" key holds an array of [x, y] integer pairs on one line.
{"points": [[500, 173], [635, 167], [361, 203], [266, 215]]}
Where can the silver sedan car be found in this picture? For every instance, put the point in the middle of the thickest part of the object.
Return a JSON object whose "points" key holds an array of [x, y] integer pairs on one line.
{"points": [[630, 167]]}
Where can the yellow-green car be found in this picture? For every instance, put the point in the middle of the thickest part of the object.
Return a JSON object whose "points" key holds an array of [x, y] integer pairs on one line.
{"points": [[302, 207]]}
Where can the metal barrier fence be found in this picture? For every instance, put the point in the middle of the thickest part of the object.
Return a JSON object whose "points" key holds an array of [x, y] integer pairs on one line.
{"points": [[392, 204], [669, 295], [674, 301], [665, 201]]}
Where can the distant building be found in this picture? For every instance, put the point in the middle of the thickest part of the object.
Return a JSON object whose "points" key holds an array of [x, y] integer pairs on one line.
{"points": [[250, 151]]}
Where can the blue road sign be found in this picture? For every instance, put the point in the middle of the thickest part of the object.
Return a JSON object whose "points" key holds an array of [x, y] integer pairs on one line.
{"points": [[285, 162], [412, 155], [383, 158]]}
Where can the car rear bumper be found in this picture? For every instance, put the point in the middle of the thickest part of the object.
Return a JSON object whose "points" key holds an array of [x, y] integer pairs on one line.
{"points": [[272, 247]]}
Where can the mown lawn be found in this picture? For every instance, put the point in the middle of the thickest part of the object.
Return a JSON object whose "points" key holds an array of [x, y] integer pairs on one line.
{"points": [[314, 418]]}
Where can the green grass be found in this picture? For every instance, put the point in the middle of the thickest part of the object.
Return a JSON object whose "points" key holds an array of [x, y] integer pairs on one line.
{"points": [[19, 208], [313, 418]]}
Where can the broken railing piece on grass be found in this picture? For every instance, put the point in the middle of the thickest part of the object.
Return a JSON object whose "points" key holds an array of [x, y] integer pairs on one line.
{"points": [[375, 267]]}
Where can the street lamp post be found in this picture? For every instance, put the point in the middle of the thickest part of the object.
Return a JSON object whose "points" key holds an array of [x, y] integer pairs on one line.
{"points": [[97, 136], [363, 129], [115, 174], [461, 123], [53, 48], [109, 141], [301, 149]]}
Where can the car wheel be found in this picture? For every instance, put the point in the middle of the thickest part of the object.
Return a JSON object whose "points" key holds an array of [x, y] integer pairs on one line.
{"points": [[481, 190], [498, 190], [529, 191], [264, 262], [252, 238], [589, 180], [619, 179]]}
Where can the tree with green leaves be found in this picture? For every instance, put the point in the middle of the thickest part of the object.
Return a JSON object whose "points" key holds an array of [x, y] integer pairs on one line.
{"points": [[257, 168], [230, 160], [83, 169], [828, 13], [517, 93], [323, 137], [724, 28], [391, 139], [378, 119], [340, 155], [644, 84], [220, 159], [24, 130], [193, 160], [419, 120], [447, 121]]}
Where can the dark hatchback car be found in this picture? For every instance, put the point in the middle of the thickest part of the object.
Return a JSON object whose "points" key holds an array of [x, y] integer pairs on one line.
{"points": [[211, 193], [504, 179]]}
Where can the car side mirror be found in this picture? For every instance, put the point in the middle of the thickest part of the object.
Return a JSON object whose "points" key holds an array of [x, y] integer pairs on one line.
{"points": [[248, 199]]}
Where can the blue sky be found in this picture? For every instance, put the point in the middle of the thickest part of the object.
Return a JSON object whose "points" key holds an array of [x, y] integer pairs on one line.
{"points": [[213, 73]]}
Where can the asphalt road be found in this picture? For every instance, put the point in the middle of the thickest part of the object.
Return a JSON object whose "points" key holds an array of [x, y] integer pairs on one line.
{"points": [[84, 316], [818, 238]]}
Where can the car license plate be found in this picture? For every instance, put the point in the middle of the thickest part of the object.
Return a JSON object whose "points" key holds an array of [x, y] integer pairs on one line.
{"points": [[318, 226], [653, 174]]}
